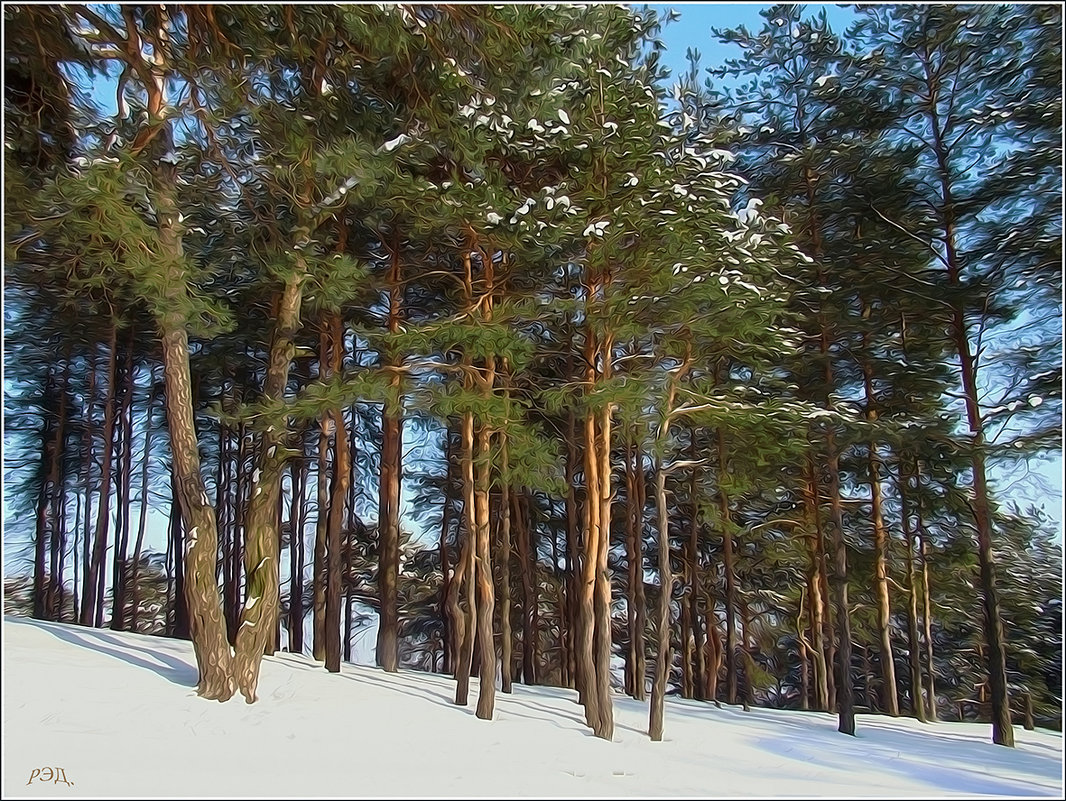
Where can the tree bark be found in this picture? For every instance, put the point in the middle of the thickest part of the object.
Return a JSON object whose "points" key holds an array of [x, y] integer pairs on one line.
{"points": [[927, 607], [890, 697], [505, 569], [123, 499], [913, 654], [387, 652], [52, 434], [338, 511], [135, 593], [694, 582], [1002, 730], [485, 593], [259, 617], [464, 622], [94, 608], [839, 585], [666, 583], [731, 666]]}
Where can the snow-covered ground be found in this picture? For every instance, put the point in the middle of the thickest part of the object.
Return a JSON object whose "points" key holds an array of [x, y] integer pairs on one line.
{"points": [[117, 712]]}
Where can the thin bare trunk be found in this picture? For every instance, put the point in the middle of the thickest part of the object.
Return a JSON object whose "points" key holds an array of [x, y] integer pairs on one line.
{"points": [[505, 569]]}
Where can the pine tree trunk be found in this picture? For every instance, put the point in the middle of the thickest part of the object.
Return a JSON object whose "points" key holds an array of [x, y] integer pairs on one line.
{"points": [[666, 583], [927, 610], [590, 548], [203, 603], [913, 655], [259, 617], [884, 610], [464, 621], [389, 543], [505, 569], [338, 507], [604, 632], [389, 486], [731, 666], [640, 666], [51, 437], [748, 696], [142, 521], [1002, 730], [320, 569], [714, 649], [694, 583], [529, 593], [448, 645], [95, 605], [631, 570], [685, 640], [571, 551], [839, 585], [89, 459], [485, 593], [298, 474], [815, 581], [123, 499]]}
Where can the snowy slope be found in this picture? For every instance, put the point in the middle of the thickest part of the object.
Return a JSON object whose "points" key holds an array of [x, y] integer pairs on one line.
{"points": [[118, 713]]}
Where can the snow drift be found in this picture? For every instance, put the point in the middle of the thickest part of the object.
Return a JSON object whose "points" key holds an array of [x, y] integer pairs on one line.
{"points": [[118, 713]]}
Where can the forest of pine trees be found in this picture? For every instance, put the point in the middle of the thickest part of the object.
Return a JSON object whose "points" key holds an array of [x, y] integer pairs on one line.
{"points": [[569, 371]]}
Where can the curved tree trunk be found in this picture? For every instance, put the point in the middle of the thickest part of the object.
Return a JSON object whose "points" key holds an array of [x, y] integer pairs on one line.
{"points": [[259, 618]]}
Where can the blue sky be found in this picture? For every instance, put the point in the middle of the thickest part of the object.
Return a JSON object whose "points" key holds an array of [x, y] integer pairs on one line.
{"points": [[693, 29]]}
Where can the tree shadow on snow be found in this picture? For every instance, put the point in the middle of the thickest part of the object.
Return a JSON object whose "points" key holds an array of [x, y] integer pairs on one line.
{"points": [[173, 669]]}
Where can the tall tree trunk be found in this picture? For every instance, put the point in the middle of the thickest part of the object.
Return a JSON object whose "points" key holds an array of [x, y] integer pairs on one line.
{"points": [[505, 567], [927, 607], [338, 503], [666, 583], [485, 594], [913, 654], [884, 610], [529, 592], [464, 621], [731, 665], [640, 667], [694, 581], [631, 569], [448, 645], [389, 487], [87, 474], [685, 640], [259, 616], [319, 568], [586, 622], [298, 473], [604, 632], [569, 636], [839, 585], [51, 455], [714, 650], [123, 499], [94, 607], [1002, 730], [142, 521]]}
